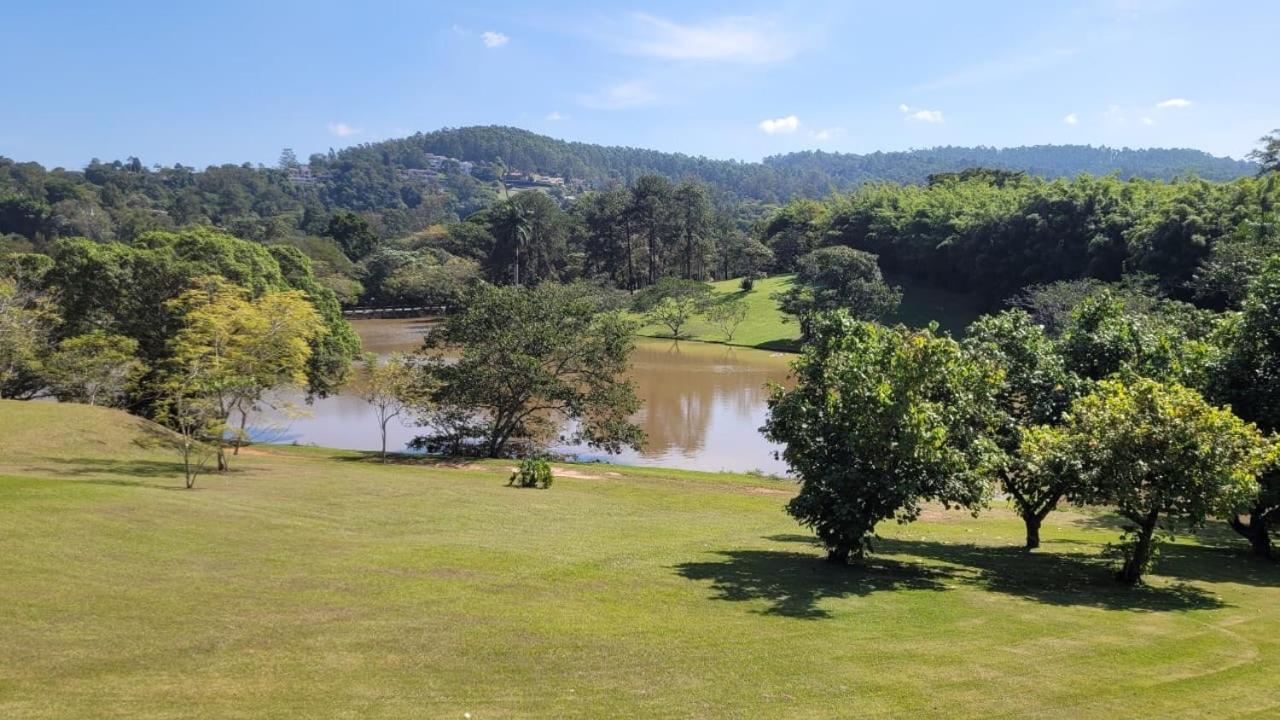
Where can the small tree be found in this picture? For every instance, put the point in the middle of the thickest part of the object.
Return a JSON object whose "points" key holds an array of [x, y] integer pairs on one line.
{"points": [[390, 386], [675, 313], [96, 368], [1035, 388], [1161, 455], [187, 405], [533, 472], [728, 316], [880, 420], [839, 277]]}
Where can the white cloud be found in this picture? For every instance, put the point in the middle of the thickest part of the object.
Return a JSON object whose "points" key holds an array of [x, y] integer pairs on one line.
{"points": [[493, 39], [555, 115], [745, 40], [341, 129], [1147, 121], [780, 126], [827, 133], [1173, 103], [929, 116], [1071, 119], [624, 95], [904, 108]]}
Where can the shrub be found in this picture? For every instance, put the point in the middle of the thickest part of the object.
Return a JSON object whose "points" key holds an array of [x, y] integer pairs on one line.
{"points": [[747, 283], [533, 472]]}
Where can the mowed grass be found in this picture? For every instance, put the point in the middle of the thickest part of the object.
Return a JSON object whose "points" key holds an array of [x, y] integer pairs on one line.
{"points": [[316, 583], [768, 328]]}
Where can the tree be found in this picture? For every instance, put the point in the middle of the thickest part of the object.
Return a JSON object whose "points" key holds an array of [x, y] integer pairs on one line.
{"points": [[728, 315], [693, 214], [840, 277], [529, 358], [96, 368], [511, 224], [1161, 455], [675, 313], [880, 420], [242, 347], [1034, 388], [352, 233], [26, 321], [1268, 156], [1249, 380], [188, 405], [390, 386]]}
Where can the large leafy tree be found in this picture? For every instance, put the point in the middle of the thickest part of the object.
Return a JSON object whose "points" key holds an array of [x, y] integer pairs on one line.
{"points": [[1158, 453], [881, 420], [95, 368], [523, 360], [840, 277], [1249, 380], [26, 323], [352, 233], [1035, 388]]}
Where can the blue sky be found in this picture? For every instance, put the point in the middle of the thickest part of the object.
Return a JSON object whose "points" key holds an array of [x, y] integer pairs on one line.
{"points": [[200, 83]]}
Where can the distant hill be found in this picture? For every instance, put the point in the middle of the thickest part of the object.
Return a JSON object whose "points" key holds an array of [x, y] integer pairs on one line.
{"points": [[780, 177]]}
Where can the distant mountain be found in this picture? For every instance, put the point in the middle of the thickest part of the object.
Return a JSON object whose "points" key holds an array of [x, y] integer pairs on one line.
{"points": [[780, 177]]}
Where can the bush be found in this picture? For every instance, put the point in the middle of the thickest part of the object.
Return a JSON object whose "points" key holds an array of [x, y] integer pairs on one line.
{"points": [[748, 283], [533, 472]]}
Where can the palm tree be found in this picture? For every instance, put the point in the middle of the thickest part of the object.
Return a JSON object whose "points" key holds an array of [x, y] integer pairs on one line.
{"points": [[514, 225]]}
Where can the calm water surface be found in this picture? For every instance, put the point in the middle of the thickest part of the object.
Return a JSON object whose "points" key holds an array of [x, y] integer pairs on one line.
{"points": [[702, 409]]}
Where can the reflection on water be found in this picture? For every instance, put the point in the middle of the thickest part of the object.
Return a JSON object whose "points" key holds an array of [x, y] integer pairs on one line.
{"points": [[703, 405]]}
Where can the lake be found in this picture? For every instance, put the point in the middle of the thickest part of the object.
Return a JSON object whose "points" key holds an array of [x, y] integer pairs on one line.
{"points": [[703, 405]]}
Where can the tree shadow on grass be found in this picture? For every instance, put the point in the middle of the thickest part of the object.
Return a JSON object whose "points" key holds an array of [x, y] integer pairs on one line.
{"points": [[133, 473], [795, 583], [1045, 577]]}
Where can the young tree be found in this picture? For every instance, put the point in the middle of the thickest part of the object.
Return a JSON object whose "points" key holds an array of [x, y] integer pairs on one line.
{"points": [[95, 368], [187, 404], [675, 313], [1268, 155], [390, 386], [242, 347], [1035, 388], [527, 358], [1161, 455], [880, 420], [728, 315]]}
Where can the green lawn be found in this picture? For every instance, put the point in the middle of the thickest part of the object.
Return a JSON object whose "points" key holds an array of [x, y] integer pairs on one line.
{"points": [[768, 328], [314, 583]]}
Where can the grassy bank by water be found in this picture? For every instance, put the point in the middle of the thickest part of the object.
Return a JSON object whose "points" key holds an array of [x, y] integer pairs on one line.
{"points": [[768, 328], [318, 583]]}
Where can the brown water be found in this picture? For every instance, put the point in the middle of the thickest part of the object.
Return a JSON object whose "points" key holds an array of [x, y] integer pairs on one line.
{"points": [[703, 405]]}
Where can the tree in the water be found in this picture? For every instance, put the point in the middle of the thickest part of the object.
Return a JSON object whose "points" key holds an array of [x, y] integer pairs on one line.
{"points": [[880, 421]]}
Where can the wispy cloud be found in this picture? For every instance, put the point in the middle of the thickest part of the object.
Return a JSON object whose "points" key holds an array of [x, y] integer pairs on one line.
{"points": [[341, 129], [555, 115], [1146, 121], [830, 133], [747, 40], [921, 115], [780, 126], [1174, 103], [621, 96], [1071, 119], [493, 39]]}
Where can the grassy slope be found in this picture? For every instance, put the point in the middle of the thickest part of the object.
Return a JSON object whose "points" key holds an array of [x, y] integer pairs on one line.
{"points": [[314, 583], [768, 328]]}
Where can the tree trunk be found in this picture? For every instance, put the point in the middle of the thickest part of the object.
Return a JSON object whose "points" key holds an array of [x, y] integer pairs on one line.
{"points": [[384, 442], [838, 555], [223, 464], [244, 420], [1032, 521], [1131, 573], [1256, 532]]}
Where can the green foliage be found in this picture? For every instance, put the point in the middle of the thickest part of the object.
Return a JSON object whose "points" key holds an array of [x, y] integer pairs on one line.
{"points": [[26, 323], [671, 288], [675, 313], [533, 472], [95, 369], [1268, 155], [352, 233], [728, 315], [1161, 455], [839, 277], [392, 386], [1034, 388], [528, 358], [880, 421]]}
